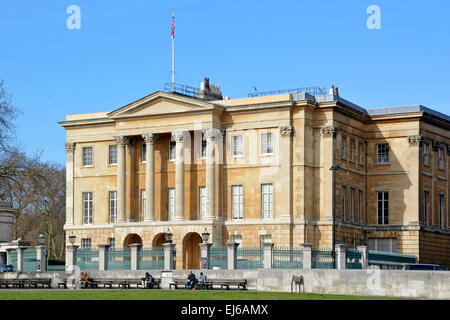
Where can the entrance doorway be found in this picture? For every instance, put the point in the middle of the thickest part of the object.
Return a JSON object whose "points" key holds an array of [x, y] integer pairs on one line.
{"points": [[191, 251]]}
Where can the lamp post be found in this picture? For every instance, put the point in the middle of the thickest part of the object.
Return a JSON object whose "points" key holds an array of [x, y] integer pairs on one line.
{"points": [[169, 236], [72, 239], [41, 239], [205, 236], [334, 168]]}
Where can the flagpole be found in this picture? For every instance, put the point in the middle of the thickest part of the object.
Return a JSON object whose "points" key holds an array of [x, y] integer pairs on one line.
{"points": [[173, 52]]}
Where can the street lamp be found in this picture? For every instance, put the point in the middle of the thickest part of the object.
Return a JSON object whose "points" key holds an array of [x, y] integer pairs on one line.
{"points": [[41, 239], [169, 236], [205, 236], [72, 238], [334, 168]]}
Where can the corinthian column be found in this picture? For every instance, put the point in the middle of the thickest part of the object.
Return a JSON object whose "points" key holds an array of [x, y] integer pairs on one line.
{"points": [[178, 136], [70, 148], [121, 182], [149, 139], [210, 135]]}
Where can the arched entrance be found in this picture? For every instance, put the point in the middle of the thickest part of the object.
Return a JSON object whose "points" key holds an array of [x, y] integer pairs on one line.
{"points": [[159, 240], [130, 239], [191, 251]]}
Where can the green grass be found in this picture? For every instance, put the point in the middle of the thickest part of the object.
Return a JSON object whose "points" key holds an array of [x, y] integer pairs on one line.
{"points": [[168, 295]]}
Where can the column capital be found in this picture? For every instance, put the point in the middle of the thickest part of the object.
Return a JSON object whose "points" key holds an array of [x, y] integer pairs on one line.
{"points": [[70, 147], [212, 134], [416, 140], [150, 138], [178, 135], [329, 131], [287, 131], [122, 140]]}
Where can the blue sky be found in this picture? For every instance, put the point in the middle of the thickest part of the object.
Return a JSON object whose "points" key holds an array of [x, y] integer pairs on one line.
{"points": [[123, 52]]}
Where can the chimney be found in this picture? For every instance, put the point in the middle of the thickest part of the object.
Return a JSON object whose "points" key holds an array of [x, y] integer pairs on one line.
{"points": [[209, 92]]}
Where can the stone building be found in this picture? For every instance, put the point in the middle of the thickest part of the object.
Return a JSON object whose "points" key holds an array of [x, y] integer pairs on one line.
{"points": [[256, 169]]}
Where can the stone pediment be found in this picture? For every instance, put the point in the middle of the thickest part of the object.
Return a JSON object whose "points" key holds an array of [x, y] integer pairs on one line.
{"points": [[160, 103]]}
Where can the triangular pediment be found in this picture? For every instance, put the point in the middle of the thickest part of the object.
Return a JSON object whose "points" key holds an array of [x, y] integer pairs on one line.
{"points": [[160, 103]]}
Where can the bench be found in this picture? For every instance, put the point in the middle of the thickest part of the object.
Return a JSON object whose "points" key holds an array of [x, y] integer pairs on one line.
{"points": [[210, 283], [21, 283], [226, 283], [177, 282], [154, 285], [120, 282]]}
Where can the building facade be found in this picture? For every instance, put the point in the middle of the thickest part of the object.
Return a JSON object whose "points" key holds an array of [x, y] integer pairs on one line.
{"points": [[255, 169]]}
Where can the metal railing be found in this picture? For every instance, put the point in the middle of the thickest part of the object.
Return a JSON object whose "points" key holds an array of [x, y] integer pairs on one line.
{"points": [[151, 258], [315, 91], [87, 259], [118, 259], [181, 89], [287, 258], [353, 260], [390, 259], [29, 260], [250, 258], [218, 257], [322, 259]]}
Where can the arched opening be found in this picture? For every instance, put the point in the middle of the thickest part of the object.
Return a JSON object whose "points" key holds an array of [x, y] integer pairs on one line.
{"points": [[130, 239], [191, 251], [159, 240]]}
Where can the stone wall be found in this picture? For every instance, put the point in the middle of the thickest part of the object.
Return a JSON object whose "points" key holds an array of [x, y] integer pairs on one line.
{"points": [[370, 282]]}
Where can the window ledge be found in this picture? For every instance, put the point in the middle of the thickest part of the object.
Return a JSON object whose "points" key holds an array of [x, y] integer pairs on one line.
{"points": [[88, 166], [382, 163]]}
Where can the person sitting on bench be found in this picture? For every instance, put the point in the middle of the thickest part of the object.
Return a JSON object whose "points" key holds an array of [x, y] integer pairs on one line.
{"points": [[202, 279], [147, 281], [190, 282]]}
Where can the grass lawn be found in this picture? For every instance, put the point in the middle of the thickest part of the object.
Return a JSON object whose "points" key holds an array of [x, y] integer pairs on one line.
{"points": [[132, 294]]}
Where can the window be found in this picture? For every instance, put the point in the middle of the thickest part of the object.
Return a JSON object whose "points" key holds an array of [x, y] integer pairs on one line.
{"points": [[113, 154], [172, 150], [383, 244], [264, 238], [144, 153], [202, 202], [143, 203], [441, 211], [86, 243], [267, 201], [237, 202], [171, 203], [360, 201], [426, 154], [112, 242], [343, 146], [360, 153], [383, 153], [266, 143], [352, 150], [441, 158], [203, 151], [237, 145], [426, 195], [343, 202], [352, 203], [383, 207], [87, 156], [112, 206], [87, 207]]}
